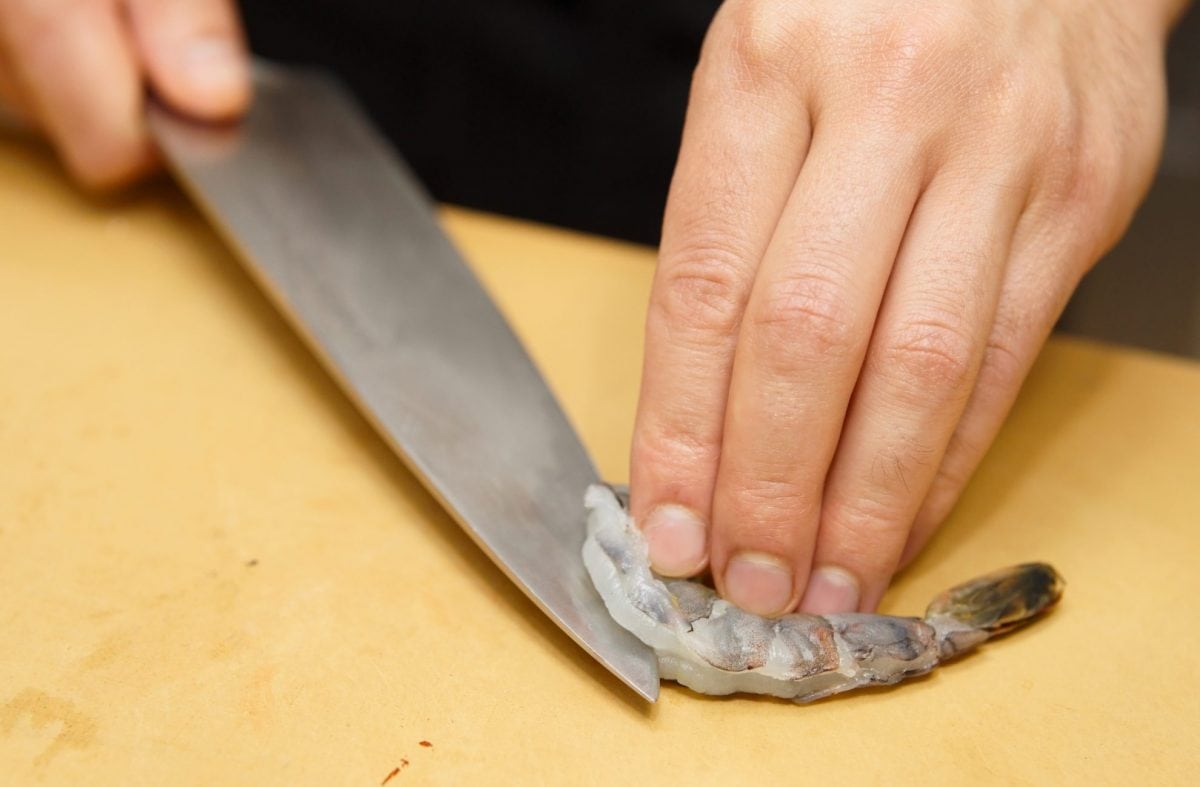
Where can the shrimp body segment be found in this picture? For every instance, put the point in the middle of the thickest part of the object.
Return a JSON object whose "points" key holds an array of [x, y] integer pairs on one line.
{"points": [[713, 647]]}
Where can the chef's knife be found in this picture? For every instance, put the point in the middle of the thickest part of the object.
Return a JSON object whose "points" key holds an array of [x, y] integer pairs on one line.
{"points": [[333, 226]]}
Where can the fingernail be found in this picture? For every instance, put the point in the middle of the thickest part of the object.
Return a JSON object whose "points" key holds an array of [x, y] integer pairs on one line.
{"points": [[214, 65], [678, 541], [830, 589], [758, 583]]}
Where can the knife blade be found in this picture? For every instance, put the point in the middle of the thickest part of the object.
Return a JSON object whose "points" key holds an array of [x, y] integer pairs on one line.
{"points": [[334, 227]]}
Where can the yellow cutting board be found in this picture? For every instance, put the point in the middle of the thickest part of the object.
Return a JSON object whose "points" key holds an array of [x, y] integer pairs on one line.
{"points": [[212, 572]]}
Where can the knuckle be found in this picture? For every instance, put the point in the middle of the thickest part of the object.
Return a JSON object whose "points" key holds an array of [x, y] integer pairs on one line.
{"points": [[963, 455], [1083, 180], [938, 503], [858, 516], [931, 353], [1002, 357], [1056, 111], [868, 534], [702, 289], [912, 54], [674, 450], [764, 510], [806, 312], [921, 72], [1086, 175], [763, 41], [896, 470], [957, 465]]}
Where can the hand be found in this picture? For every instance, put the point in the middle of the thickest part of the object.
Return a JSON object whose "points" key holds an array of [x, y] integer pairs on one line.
{"points": [[76, 68], [879, 210]]}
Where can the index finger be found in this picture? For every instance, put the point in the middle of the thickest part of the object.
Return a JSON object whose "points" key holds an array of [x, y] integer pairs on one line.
{"points": [[743, 144]]}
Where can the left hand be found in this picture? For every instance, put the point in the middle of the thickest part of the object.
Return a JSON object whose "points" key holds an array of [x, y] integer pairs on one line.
{"points": [[879, 210], [78, 71]]}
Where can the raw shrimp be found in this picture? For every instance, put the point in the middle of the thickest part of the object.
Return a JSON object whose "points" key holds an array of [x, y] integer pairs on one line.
{"points": [[713, 647]]}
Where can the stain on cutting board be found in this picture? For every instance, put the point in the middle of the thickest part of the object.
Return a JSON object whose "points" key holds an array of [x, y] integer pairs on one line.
{"points": [[76, 730]]}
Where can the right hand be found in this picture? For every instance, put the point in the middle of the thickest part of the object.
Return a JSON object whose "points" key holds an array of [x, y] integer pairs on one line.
{"points": [[78, 70]]}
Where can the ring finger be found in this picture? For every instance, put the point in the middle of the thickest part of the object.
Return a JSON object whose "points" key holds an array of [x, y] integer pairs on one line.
{"points": [[741, 153], [1045, 267], [921, 367]]}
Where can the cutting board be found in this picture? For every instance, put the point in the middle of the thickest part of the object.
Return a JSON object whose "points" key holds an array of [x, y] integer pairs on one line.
{"points": [[213, 572]]}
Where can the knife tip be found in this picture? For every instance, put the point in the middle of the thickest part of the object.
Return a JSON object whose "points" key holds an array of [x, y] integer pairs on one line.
{"points": [[648, 692], [643, 680]]}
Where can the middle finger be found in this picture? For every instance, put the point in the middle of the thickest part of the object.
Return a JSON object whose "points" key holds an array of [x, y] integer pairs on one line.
{"points": [[803, 338]]}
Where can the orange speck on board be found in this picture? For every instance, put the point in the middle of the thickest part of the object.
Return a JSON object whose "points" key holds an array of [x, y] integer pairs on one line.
{"points": [[426, 744]]}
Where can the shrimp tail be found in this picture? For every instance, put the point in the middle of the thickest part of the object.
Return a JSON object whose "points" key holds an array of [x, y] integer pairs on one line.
{"points": [[967, 614]]}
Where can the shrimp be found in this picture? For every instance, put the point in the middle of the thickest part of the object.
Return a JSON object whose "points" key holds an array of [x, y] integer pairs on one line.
{"points": [[713, 647]]}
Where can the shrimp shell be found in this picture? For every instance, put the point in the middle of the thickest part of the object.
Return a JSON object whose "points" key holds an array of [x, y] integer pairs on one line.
{"points": [[713, 647]]}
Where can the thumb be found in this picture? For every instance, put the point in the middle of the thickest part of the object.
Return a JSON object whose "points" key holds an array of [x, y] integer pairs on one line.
{"points": [[195, 55]]}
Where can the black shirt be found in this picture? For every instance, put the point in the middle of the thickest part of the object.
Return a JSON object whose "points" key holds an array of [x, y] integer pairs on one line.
{"points": [[562, 111]]}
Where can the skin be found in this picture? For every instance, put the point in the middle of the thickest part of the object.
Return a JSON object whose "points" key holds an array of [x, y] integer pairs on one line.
{"points": [[78, 70], [879, 210]]}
